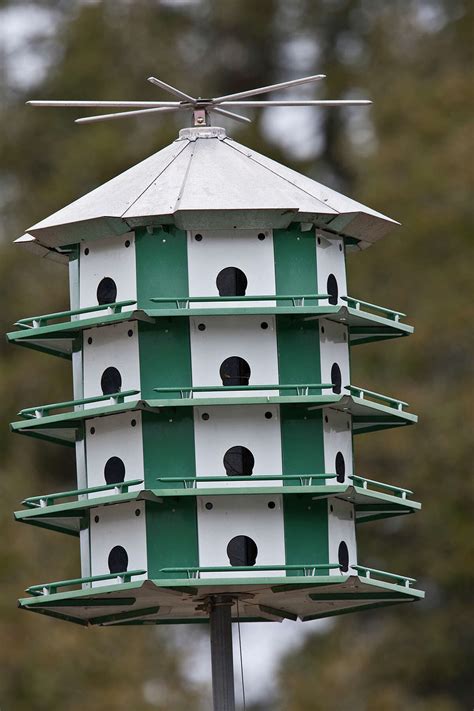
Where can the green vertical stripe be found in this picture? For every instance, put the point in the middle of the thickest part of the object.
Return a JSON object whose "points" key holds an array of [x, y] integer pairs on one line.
{"points": [[168, 445], [171, 536], [161, 263], [298, 350], [165, 355], [306, 531], [295, 261]]}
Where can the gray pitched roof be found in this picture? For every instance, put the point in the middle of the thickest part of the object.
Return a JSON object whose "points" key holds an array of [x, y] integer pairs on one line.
{"points": [[205, 180]]}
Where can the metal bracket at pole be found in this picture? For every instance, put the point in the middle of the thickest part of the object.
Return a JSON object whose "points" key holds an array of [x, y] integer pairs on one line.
{"points": [[220, 621]]}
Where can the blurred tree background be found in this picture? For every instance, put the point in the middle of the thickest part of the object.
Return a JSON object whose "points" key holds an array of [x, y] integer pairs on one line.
{"points": [[408, 156]]}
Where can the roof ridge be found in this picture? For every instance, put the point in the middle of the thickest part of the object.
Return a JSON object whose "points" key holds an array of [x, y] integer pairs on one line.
{"points": [[181, 149]]}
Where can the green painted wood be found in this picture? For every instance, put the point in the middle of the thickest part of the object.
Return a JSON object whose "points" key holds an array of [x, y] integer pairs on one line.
{"points": [[172, 536], [295, 261], [298, 350], [302, 442], [168, 446], [306, 531], [162, 263], [165, 355]]}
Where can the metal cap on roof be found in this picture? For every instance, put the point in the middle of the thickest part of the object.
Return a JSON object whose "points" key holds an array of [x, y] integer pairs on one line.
{"points": [[205, 180]]}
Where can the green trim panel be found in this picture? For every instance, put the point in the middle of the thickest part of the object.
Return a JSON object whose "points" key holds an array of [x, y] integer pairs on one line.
{"points": [[162, 263]]}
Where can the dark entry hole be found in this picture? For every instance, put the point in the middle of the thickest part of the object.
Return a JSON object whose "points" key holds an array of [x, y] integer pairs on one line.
{"points": [[268, 415], [271, 504], [107, 291], [235, 371], [118, 560], [261, 236], [231, 281], [332, 289], [239, 461], [242, 550], [111, 381], [336, 379], [198, 238], [340, 467], [343, 557], [114, 470]]}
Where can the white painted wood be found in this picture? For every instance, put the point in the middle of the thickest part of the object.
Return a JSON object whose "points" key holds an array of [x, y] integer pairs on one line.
{"points": [[118, 526], [114, 436], [334, 348], [111, 346], [341, 527], [219, 249], [241, 515], [235, 425], [330, 259], [337, 438], [240, 336], [108, 257]]}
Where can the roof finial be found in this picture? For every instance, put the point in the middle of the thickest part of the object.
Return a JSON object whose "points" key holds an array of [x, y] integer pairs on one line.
{"points": [[201, 108]]}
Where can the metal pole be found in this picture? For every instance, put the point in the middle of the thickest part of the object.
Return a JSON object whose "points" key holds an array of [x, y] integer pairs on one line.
{"points": [[220, 621]]}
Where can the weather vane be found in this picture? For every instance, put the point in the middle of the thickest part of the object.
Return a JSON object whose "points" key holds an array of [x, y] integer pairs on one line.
{"points": [[201, 108]]}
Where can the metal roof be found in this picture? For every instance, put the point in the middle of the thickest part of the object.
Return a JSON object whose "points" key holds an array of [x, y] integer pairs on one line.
{"points": [[205, 180]]}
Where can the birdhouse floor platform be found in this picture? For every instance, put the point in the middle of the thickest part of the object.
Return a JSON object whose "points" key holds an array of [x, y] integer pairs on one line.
{"points": [[73, 516], [368, 414], [64, 337], [175, 600]]}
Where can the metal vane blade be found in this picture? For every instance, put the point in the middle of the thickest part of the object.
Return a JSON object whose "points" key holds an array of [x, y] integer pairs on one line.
{"points": [[336, 102], [271, 87], [125, 114], [230, 114], [104, 104], [171, 89]]}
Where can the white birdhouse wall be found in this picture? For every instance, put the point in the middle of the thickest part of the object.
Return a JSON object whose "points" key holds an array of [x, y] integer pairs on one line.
{"points": [[341, 535], [118, 539], [107, 272]]}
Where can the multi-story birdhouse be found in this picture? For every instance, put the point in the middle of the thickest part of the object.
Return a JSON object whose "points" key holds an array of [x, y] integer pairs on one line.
{"points": [[210, 333]]}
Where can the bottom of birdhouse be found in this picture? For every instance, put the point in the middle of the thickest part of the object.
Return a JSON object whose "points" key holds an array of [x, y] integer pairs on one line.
{"points": [[174, 601]]}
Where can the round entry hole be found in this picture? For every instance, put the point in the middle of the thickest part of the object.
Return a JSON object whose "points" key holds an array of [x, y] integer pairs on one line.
{"points": [[111, 381], [231, 281], [242, 550], [340, 467], [336, 379], [238, 461], [107, 291], [343, 556], [332, 289], [118, 560], [114, 470], [234, 371]]}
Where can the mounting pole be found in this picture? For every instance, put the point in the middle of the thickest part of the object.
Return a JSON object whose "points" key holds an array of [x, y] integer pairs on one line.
{"points": [[220, 622]]}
